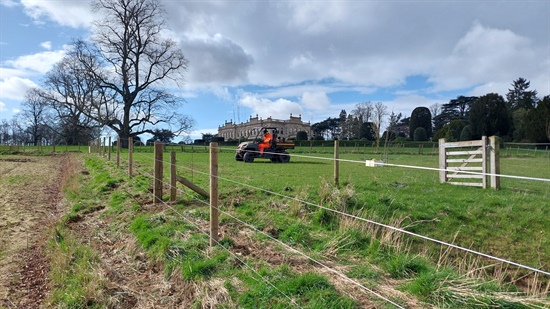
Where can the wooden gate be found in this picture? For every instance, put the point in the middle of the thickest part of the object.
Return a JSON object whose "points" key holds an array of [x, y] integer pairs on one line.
{"points": [[466, 163]]}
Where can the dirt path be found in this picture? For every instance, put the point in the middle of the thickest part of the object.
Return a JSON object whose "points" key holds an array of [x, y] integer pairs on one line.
{"points": [[30, 193]]}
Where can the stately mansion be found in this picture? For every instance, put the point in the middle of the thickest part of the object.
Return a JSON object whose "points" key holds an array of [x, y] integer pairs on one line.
{"points": [[248, 130]]}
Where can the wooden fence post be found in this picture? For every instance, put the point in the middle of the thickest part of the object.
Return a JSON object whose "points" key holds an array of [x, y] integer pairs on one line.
{"points": [[172, 176], [109, 152], [484, 162], [104, 147], [495, 162], [158, 173], [213, 193], [442, 161], [118, 152], [130, 157], [336, 162]]}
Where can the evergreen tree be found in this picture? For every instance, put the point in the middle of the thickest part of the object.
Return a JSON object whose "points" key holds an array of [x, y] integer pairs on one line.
{"points": [[456, 109], [421, 117], [420, 134], [520, 97], [489, 116], [163, 136], [538, 130], [367, 131], [301, 136]]}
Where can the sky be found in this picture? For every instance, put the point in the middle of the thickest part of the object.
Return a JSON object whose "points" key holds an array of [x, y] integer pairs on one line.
{"points": [[308, 58]]}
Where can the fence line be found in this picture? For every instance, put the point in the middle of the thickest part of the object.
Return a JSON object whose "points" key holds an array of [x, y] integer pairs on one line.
{"points": [[540, 150], [382, 164], [420, 167], [387, 226], [374, 222], [217, 242], [340, 274]]}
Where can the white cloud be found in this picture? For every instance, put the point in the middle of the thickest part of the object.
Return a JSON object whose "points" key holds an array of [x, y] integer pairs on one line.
{"points": [[46, 45], [8, 3], [222, 93], [484, 57], [313, 18], [39, 62], [302, 60], [264, 108], [315, 101], [75, 14], [2, 107], [15, 88]]}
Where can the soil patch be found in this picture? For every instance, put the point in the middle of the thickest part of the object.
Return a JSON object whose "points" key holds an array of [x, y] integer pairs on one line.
{"points": [[30, 196]]}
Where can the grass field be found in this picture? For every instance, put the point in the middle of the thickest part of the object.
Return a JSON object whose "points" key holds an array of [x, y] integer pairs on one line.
{"points": [[512, 223], [291, 203]]}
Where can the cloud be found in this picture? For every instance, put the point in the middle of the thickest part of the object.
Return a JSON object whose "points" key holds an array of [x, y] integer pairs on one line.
{"points": [[46, 45], [74, 14], [485, 56], [2, 107], [315, 101], [303, 56], [313, 18], [38, 63], [8, 3], [264, 108], [216, 59], [15, 88]]}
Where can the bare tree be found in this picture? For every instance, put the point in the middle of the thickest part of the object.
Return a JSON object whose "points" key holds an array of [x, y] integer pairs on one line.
{"points": [[72, 94], [17, 134], [33, 115], [435, 109], [128, 42], [4, 132], [380, 111], [363, 111]]}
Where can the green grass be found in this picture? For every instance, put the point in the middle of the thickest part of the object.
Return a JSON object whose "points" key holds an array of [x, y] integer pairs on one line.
{"points": [[511, 223], [73, 273], [485, 220], [287, 286]]}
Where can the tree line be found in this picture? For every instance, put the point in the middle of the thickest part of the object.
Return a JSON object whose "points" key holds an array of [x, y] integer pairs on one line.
{"points": [[115, 81], [520, 117]]}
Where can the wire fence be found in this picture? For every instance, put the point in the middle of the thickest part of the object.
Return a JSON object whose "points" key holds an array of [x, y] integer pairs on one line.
{"points": [[508, 149], [256, 230], [204, 172], [146, 160]]}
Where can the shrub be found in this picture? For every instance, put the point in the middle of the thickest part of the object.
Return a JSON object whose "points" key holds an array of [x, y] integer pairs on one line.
{"points": [[420, 134]]}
